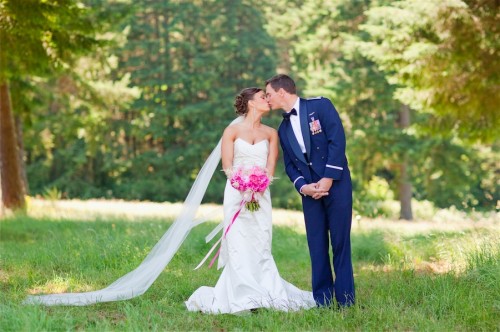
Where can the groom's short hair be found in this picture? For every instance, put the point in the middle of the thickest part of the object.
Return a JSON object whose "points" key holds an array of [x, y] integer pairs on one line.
{"points": [[284, 82]]}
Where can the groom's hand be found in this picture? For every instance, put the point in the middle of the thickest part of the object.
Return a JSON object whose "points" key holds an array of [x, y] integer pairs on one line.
{"points": [[325, 184], [313, 190]]}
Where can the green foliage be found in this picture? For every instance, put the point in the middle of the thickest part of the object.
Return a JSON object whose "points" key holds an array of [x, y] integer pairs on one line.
{"points": [[189, 83], [442, 55], [137, 116], [43, 36], [52, 194], [62, 93], [452, 173], [331, 53], [370, 201], [187, 75]]}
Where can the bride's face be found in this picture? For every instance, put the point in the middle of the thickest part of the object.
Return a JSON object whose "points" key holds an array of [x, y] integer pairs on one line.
{"points": [[260, 103]]}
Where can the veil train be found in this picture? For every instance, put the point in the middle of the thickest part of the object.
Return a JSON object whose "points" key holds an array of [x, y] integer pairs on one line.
{"points": [[136, 282]]}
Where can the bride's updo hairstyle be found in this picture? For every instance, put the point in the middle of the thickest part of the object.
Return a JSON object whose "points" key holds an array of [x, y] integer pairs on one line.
{"points": [[242, 99]]}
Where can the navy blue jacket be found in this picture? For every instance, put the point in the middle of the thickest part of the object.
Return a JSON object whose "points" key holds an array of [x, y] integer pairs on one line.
{"points": [[324, 139]]}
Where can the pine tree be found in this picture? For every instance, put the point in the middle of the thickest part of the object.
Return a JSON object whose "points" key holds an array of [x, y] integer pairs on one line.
{"points": [[36, 38], [189, 59], [40, 40]]}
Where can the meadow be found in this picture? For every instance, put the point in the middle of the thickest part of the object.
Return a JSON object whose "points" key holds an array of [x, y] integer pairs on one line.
{"points": [[427, 275]]}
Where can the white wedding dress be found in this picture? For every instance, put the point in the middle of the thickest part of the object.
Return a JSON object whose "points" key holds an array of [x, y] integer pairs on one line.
{"points": [[250, 278]]}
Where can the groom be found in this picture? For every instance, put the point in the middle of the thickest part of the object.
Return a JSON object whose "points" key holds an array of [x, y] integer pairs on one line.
{"points": [[313, 143]]}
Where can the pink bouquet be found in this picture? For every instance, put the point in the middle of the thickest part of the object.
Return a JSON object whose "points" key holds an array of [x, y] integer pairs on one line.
{"points": [[251, 182]]}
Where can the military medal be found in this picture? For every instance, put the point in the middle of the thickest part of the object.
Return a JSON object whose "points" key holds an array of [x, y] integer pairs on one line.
{"points": [[314, 126]]}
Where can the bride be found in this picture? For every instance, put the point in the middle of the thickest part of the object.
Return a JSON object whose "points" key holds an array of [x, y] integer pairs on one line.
{"points": [[250, 278]]}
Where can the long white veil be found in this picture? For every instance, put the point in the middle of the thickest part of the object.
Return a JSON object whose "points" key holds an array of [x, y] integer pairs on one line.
{"points": [[136, 282]]}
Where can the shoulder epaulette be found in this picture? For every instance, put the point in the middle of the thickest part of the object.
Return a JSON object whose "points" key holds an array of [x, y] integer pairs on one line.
{"points": [[314, 98]]}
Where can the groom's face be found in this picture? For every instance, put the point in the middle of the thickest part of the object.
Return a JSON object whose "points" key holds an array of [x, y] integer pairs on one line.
{"points": [[273, 97]]}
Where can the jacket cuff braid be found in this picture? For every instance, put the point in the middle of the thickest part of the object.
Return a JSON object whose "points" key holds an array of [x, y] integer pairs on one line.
{"points": [[333, 173], [299, 183]]}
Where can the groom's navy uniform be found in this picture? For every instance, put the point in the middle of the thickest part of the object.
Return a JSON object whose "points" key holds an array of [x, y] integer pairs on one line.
{"points": [[317, 152]]}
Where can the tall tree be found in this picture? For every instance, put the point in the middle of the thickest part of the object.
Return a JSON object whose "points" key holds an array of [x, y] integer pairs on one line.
{"points": [[37, 38], [405, 190], [443, 56], [10, 170], [45, 40]]}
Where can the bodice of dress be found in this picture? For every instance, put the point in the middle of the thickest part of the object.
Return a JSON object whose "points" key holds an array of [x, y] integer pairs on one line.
{"points": [[246, 154]]}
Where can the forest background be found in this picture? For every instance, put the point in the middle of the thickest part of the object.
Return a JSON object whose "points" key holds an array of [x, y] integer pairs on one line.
{"points": [[123, 99]]}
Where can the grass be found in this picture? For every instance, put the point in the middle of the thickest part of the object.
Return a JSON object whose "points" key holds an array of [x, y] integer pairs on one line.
{"points": [[430, 279]]}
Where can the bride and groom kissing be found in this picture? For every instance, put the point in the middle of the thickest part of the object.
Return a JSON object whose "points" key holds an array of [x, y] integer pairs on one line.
{"points": [[313, 144], [312, 140]]}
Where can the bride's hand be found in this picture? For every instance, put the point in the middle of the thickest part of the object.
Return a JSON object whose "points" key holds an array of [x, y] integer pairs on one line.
{"points": [[229, 172]]}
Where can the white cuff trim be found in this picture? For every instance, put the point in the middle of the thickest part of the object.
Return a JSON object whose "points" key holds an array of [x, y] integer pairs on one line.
{"points": [[300, 190], [297, 179], [336, 167]]}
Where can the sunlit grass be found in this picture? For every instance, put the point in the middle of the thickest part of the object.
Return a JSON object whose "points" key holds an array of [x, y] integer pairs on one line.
{"points": [[420, 278]]}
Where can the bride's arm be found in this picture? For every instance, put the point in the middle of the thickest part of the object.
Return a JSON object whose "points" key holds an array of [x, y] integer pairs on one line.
{"points": [[227, 146], [273, 152]]}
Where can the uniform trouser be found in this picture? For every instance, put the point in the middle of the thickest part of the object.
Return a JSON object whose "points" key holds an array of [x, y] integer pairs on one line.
{"points": [[328, 220]]}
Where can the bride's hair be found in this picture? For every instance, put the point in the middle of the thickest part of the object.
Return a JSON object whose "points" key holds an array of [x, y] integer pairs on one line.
{"points": [[241, 100]]}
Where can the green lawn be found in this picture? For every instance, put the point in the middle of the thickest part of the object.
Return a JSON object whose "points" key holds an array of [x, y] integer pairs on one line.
{"points": [[426, 280]]}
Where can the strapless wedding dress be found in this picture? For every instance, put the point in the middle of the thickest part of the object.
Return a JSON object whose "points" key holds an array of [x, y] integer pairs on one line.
{"points": [[250, 278]]}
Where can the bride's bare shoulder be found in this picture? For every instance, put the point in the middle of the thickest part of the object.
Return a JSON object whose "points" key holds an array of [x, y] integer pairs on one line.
{"points": [[233, 127], [231, 130], [270, 130]]}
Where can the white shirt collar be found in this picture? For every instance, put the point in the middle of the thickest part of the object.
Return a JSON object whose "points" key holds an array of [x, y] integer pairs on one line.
{"points": [[295, 122], [297, 105]]}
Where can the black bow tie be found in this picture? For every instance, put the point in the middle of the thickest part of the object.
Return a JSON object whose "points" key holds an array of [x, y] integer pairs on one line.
{"points": [[287, 116]]}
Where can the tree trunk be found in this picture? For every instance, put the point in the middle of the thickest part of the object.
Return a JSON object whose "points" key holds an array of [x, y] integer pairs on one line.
{"points": [[21, 155], [2, 208], [405, 193], [12, 184], [405, 188]]}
